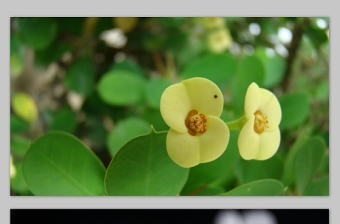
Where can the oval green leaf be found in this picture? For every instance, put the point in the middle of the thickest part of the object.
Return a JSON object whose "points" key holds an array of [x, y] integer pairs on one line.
{"points": [[59, 164], [121, 88], [295, 109], [267, 187], [80, 76], [38, 32], [19, 145], [17, 124], [250, 69], [274, 67], [206, 173], [127, 65], [318, 187], [154, 90], [307, 162], [252, 170], [317, 36], [219, 68], [124, 131], [155, 118], [18, 183], [143, 168], [64, 120], [17, 60], [24, 106]]}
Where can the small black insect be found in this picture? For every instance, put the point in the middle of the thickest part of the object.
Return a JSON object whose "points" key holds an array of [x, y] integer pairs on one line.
{"points": [[215, 96]]}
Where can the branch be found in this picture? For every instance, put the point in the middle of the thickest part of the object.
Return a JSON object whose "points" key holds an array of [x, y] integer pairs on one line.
{"points": [[292, 52]]}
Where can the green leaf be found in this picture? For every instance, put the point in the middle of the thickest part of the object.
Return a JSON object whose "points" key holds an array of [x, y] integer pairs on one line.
{"points": [[38, 32], [19, 145], [104, 23], [274, 68], [143, 167], [80, 76], [127, 65], [71, 25], [295, 109], [250, 69], [17, 124], [208, 190], [124, 131], [317, 36], [251, 170], [267, 187], [24, 106], [318, 187], [51, 54], [95, 131], [307, 161], [155, 118], [121, 88], [154, 90], [204, 174], [322, 90], [219, 68], [17, 61], [18, 184], [64, 120], [59, 164], [170, 22], [288, 169]]}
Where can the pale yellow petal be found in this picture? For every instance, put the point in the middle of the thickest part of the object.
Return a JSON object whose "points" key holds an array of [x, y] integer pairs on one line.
{"points": [[205, 96], [270, 107], [252, 100], [269, 144], [175, 106], [248, 141], [183, 148], [214, 141]]}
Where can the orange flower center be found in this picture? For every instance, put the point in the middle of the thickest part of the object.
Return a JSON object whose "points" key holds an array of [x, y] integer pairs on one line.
{"points": [[195, 123], [260, 123]]}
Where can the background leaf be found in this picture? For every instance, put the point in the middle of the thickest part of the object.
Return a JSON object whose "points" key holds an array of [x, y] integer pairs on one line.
{"points": [[18, 183], [64, 120], [219, 68], [25, 107], [250, 69], [38, 32], [295, 109], [266, 187], [121, 88], [80, 76], [124, 131], [204, 174], [253, 170], [154, 90], [307, 161]]}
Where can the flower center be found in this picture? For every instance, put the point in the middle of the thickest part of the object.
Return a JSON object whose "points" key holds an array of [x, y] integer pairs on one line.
{"points": [[195, 123], [260, 123]]}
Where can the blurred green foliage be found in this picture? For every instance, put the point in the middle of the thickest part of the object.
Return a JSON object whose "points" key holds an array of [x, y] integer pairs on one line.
{"points": [[97, 82]]}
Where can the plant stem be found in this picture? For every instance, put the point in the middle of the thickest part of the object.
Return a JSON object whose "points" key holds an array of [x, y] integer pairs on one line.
{"points": [[237, 124]]}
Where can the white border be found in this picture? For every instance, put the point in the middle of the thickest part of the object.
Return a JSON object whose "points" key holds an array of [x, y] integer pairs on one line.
{"points": [[168, 8]]}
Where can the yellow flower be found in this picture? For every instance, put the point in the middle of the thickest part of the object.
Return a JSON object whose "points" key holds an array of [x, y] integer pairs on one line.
{"points": [[259, 138], [219, 40], [192, 109], [213, 22]]}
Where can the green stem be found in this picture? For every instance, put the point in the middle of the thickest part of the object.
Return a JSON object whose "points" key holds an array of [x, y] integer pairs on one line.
{"points": [[237, 124]]}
